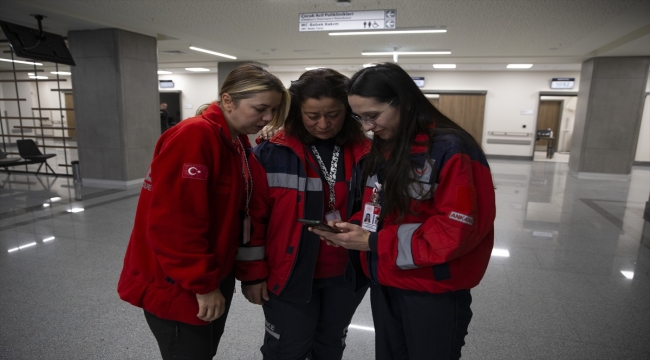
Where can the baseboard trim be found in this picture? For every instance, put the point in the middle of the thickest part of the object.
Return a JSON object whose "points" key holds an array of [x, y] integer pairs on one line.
{"points": [[601, 176], [509, 157], [112, 184]]}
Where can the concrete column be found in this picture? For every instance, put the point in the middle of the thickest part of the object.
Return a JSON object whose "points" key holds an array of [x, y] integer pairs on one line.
{"points": [[115, 87], [608, 117]]}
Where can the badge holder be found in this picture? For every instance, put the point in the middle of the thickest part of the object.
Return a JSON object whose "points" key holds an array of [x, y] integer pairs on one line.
{"points": [[372, 210]]}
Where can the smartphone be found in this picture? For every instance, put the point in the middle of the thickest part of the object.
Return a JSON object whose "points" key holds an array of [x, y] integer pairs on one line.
{"points": [[319, 225]]}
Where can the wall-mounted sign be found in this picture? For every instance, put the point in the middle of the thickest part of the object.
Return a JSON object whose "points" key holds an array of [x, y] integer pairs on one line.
{"points": [[419, 81], [348, 20], [562, 83], [166, 84]]}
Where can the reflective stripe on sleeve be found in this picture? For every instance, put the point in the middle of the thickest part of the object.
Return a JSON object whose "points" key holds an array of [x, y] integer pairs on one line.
{"points": [[404, 252], [250, 253], [287, 181], [314, 184]]}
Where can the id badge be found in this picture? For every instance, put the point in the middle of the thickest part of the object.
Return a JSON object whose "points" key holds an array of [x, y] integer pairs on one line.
{"points": [[370, 217], [246, 235], [333, 215]]}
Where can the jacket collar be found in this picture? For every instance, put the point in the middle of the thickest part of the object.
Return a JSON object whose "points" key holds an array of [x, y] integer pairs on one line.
{"points": [[213, 114], [358, 150]]}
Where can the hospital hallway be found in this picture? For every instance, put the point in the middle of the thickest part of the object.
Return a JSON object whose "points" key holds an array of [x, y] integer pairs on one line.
{"points": [[569, 276]]}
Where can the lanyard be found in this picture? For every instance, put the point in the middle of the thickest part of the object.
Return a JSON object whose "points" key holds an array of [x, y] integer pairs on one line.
{"points": [[330, 176], [249, 184]]}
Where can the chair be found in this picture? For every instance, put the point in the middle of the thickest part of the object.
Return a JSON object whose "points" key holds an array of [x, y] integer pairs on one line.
{"points": [[5, 162], [28, 150]]}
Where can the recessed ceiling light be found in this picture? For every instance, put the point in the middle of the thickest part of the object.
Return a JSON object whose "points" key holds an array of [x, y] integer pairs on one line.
{"points": [[60, 73], [49, 239], [389, 32], [369, 65], [197, 69], [38, 77], [164, 72], [444, 66], [212, 52], [21, 62], [520, 66], [314, 68], [391, 53]]}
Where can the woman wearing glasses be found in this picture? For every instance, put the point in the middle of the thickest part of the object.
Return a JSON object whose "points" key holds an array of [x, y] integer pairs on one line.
{"points": [[308, 291], [430, 186]]}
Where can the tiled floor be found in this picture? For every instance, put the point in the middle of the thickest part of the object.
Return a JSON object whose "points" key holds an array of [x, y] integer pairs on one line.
{"points": [[575, 283]]}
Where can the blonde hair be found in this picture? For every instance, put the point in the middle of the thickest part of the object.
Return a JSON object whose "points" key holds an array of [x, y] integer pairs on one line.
{"points": [[201, 109], [247, 80]]}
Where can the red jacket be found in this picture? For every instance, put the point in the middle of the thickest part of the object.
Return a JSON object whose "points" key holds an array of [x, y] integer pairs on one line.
{"points": [[287, 187], [447, 244], [187, 223]]}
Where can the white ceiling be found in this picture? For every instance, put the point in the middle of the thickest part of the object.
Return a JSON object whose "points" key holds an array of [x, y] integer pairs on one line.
{"points": [[482, 35]]}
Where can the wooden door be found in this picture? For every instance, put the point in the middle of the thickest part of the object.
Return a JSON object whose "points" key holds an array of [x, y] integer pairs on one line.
{"points": [[435, 102], [69, 114], [548, 117], [465, 110]]}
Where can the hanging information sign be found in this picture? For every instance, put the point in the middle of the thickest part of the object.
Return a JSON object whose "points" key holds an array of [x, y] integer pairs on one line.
{"points": [[348, 20]]}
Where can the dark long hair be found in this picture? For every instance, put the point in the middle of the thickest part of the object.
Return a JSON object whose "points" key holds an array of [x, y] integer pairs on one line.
{"points": [[389, 82], [320, 84]]}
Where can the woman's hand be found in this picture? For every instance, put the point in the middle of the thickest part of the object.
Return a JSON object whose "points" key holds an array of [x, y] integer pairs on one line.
{"points": [[268, 132], [211, 305], [354, 237], [256, 294]]}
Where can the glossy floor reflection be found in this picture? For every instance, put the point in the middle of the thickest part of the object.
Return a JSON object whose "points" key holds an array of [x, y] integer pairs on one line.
{"points": [[569, 278]]}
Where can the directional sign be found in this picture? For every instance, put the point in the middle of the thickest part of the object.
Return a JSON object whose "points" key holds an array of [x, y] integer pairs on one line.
{"points": [[348, 20]]}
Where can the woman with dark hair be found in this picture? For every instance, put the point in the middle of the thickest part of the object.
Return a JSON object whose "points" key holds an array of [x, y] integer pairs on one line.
{"points": [[178, 265], [307, 290], [431, 186]]}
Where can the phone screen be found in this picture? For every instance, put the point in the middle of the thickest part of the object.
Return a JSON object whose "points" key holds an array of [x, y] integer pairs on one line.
{"points": [[319, 225]]}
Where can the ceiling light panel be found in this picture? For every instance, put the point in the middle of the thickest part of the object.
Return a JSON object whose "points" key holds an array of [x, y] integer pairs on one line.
{"points": [[197, 69], [444, 66], [389, 32], [391, 53], [519, 66], [213, 52]]}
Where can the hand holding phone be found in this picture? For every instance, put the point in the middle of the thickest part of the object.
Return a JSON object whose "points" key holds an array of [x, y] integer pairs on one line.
{"points": [[316, 224]]}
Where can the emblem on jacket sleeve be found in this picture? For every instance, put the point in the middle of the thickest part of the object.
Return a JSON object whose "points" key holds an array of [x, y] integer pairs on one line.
{"points": [[465, 219], [194, 171], [147, 181]]}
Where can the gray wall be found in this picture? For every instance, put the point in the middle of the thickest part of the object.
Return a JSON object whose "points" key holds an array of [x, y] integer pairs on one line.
{"points": [[115, 87], [608, 116]]}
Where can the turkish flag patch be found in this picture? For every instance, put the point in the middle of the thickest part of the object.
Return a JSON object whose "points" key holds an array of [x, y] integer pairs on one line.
{"points": [[194, 171]]}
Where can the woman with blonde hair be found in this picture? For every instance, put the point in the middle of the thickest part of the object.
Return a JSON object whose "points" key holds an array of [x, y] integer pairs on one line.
{"points": [[192, 215]]}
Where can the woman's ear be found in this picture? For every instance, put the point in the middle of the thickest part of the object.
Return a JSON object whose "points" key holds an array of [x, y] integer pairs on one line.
{"points": [[226, 102]]}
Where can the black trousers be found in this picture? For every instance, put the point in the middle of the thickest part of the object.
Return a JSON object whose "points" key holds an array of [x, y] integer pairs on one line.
{"points": [[316, 329], [178, 340], [413, 325]]}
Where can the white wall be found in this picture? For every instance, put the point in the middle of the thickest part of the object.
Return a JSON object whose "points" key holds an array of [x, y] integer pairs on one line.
{"points": [[508, 93], [196, 90]]}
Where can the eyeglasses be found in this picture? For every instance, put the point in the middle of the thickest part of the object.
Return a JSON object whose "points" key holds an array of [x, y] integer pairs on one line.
{"points": [[370, 120]]}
